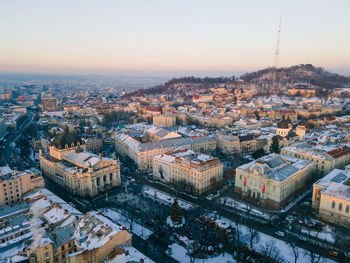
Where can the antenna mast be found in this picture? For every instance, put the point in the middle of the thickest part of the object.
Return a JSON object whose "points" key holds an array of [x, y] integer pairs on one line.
{"points": [[278, 43]]}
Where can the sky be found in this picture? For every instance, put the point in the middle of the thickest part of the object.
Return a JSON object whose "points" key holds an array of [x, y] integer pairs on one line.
{"points": [[171, 37]]}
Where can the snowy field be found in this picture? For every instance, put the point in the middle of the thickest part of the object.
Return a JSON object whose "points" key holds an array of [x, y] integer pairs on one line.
{"points": [[123, 220], [165, 198]]}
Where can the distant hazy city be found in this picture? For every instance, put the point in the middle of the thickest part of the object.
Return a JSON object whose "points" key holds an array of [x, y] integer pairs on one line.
{"points": [[174, 131], [253, 168]]}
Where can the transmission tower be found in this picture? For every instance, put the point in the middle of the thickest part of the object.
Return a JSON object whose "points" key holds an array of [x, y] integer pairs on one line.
{"points": [[278, 43]]}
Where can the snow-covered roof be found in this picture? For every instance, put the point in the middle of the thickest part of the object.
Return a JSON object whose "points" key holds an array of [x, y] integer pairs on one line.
{"points": [[277, 167], [95, 230], [336, 183]]}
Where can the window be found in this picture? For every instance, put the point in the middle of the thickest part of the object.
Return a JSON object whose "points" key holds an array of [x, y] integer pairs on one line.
{"points": [[333, 204], [46, 254], [340, 207], [347, 209]]}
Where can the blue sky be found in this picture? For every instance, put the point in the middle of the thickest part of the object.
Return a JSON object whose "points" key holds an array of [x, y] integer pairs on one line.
{"points": [[171, 37]]}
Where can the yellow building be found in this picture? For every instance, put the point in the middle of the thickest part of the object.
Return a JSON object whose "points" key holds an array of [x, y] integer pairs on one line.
{"points": [[142, 153], [164, 120], [228, 144], [200, 171], [55, 247], [302, 92], [81, 173], [14, 184], [331, 197], [92, 239], [323, 161], [273, 179]]}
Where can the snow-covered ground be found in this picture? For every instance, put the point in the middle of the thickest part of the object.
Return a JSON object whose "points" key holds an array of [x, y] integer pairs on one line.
{"points": [[165, 198], [134, 256], [244, 207], [179, 253], [282, 246], [326, 234], [123, 220]]}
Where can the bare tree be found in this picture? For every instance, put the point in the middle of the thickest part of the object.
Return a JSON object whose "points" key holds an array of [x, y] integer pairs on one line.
{"points": [[271, 251], [295, 250], [193, 250], [312, 238], [253, 233]]}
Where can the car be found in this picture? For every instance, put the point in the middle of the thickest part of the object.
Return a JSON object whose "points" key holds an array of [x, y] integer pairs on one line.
{"points": [[280, 234], [333, 253], [302, 238]]}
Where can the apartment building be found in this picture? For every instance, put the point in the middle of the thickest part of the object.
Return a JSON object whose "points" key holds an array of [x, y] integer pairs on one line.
{"points": [[331, 197], [198, 170], [13, 184], [164, 120], [142, 153], [228, 144], [323, 161]]}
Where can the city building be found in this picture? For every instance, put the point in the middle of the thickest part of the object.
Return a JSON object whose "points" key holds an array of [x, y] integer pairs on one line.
{"points": [[93, 144], [164, 120], [49, 104], [284, 127], [142, 153], [228, 144], [200, 171], [323, 160], [13, 184], [331, 197], [273, 179], [79, 172]]}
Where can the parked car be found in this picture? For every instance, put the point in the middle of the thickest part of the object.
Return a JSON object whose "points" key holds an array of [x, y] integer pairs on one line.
{"points": [[280, 234], [302, 238], [333, 253]]}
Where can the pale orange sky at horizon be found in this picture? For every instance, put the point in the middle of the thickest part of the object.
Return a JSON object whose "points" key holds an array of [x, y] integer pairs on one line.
{"points": [[165, 37]]}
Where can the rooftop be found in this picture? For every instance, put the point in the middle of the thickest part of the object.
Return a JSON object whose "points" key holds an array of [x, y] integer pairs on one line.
{"points": [[276, 167], [336, 183]]}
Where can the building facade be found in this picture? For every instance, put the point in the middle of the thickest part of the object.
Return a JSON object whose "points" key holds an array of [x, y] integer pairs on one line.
{"points": [[228, 144], [14, 184], [331, 197], [49, 104], [142, 153], [164, 120], [199, 170], [81, 173], [323, 161], [273, 179]]}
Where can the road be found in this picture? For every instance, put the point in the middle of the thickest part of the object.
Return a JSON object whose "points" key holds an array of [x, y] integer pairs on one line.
{"points": [[8, 155]]}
